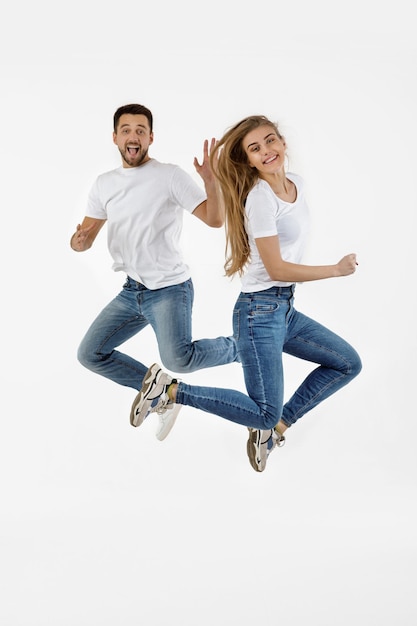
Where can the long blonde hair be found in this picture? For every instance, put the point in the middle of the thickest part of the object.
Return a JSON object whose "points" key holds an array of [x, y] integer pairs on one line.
{"points": [[236, 178]]}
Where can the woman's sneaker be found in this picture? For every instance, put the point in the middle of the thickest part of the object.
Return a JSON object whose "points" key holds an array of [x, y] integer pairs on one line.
{"points": [[260, 444], [153, 398], [167, 419]]}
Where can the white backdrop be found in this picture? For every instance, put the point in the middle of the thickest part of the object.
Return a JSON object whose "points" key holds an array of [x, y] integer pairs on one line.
{"points": [[101, 524]]}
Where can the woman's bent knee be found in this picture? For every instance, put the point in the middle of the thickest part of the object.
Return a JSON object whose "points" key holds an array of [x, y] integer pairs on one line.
{"points": [[355, 364]]}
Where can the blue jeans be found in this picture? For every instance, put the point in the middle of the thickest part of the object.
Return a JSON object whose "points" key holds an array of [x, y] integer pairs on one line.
{"points": [[169, 312], [265, 325]]}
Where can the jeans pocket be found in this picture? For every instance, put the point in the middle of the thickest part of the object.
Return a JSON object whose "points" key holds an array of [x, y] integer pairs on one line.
{"points": [[262, 308]]}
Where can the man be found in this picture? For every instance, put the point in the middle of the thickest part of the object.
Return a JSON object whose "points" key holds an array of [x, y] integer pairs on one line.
{"points": [[143, 203]]}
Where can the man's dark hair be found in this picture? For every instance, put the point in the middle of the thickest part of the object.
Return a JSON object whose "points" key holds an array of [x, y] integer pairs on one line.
{"points": [[132, 109]]}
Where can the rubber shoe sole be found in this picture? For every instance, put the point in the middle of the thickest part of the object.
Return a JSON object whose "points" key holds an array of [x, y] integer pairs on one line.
{"points": [[142, 403], [257, 449]]}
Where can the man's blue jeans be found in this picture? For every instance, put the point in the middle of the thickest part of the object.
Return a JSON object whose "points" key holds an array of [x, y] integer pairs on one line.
{"points": [[169, 311], [265, 325]]}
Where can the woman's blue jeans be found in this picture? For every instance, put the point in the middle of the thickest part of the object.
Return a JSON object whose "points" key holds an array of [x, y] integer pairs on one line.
{"points": [[169, 311], [265, 325]]}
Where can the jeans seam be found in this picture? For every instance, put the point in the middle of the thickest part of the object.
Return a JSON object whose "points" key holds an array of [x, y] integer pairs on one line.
{"points": [[305, 409]]}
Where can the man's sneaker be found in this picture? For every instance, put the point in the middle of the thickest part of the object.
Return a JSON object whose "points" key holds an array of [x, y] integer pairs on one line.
{"points": [[153, 397], [260, 445]]}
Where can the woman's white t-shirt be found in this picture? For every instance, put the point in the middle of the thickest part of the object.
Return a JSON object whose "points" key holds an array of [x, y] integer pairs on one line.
{"points": [[144, 207], [266, 216]]}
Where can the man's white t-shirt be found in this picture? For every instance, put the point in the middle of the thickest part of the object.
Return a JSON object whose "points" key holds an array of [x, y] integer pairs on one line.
{"points": [[266, 216], [144, 207]]}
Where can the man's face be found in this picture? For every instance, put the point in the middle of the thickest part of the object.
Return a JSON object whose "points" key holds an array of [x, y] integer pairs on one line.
{"points": [[133, 138]]}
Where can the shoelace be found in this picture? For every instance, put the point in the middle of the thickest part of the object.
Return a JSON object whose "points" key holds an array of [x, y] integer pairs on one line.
{"points": [[162, 404], [277, 440]]}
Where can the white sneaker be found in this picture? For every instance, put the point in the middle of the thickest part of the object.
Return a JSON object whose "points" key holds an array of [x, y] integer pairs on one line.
{"points": [[166, 419]]}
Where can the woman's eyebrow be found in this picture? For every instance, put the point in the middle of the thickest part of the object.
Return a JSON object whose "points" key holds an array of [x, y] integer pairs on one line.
{"points": [[255, 142]]}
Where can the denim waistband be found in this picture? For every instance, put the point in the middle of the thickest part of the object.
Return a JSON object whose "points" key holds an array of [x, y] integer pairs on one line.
{"points": [[131, 282], [287, 291]]}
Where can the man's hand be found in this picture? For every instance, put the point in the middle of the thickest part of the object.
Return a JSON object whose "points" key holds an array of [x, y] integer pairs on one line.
{"points": [[204, 169], [80, 239]]}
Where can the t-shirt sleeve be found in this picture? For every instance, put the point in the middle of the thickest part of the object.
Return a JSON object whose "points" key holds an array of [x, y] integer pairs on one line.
{"points": [[261, 214], [185, 191], [95, 207]]}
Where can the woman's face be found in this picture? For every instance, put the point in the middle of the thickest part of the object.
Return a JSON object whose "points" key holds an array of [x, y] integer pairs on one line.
{"points": [[265, 150]]}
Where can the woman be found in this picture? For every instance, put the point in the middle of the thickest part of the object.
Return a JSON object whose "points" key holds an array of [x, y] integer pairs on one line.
{"points": [[267, 226]]}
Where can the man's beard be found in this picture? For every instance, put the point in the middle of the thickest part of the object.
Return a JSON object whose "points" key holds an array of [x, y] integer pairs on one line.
{"points": [[134, 161]]}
